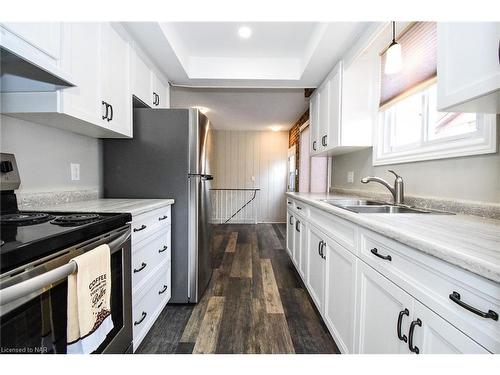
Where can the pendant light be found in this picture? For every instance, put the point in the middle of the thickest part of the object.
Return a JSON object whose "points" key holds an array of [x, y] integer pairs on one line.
{"points": [[393, 59]]}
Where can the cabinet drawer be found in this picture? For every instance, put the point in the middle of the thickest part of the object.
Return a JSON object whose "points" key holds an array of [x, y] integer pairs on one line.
{"points": [[432, 281], [298, 207], [146, 224], [149, 301], [148, 254], [342, 231]]}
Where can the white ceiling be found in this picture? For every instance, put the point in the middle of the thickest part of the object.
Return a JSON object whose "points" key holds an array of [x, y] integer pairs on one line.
{"points": [[278, 54], [244, 109]]}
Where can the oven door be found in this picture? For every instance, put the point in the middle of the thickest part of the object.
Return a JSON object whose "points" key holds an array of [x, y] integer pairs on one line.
{"points": [[33, 300]]}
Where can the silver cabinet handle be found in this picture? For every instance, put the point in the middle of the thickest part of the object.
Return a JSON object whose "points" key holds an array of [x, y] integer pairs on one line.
{"points": [[164, 248], [162, 218]]}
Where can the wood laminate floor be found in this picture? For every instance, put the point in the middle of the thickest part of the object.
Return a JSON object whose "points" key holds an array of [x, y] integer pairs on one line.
{"points": [[255, 303]]}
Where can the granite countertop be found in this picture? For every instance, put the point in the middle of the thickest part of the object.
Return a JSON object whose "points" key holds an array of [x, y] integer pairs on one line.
{"points": [[133, 206], [470, 242]]}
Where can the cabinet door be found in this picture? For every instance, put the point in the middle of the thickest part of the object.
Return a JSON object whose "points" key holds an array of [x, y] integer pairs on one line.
{"points": [[290, 229], [315, 278], [303, 251], [379, 304], [141, 78], [434, 335], [160, 97], [334, 108], [313, 122], [81, 58], [340, 294], [323, 116], [297, 242], [473, 84], [115, 80], [46, 36]]}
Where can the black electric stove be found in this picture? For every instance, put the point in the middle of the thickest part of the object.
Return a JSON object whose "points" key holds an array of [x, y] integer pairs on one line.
{"points": [[28, 236]]}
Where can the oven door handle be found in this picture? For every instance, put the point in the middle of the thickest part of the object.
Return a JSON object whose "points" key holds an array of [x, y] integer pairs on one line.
{"points": [[33, 284]]}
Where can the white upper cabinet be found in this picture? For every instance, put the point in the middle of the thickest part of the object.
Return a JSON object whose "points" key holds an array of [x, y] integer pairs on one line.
{"points": [[82, 59], [115, 80], [468, 67], [161, 97], [345, 108], [45, 36], [313, 121], [141, 84]]}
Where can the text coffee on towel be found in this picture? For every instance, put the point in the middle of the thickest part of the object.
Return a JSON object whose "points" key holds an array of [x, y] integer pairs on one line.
{"points": [[89, 294]]}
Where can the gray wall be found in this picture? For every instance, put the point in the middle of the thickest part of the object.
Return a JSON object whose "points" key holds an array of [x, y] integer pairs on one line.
{"points": [[474, 178], [44, 155]]}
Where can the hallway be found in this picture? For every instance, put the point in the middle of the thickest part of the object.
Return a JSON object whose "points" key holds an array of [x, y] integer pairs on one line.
{"points": [[255, 302]]}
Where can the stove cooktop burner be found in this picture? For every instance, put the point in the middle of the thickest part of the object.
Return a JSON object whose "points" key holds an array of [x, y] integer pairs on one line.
{"points": [[21, 219], [75, 219]]}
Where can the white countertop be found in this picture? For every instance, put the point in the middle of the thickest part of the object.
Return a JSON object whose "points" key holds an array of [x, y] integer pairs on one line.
{"points": [[470, 242], [133, 206]]}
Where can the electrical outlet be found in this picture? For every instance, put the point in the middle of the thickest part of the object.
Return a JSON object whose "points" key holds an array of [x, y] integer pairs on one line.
{"points": [[350, 177], [252, 178], [75, 171]]}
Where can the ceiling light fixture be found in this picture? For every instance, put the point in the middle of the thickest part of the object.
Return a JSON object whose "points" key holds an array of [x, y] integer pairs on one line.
{"points": [[275, 128], [244, 32], [393, 59]]}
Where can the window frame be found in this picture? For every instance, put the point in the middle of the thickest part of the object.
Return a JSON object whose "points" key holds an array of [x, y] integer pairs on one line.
{"points": [[482, 141]]}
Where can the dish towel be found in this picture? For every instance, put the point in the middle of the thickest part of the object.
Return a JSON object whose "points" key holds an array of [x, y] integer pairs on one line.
{"points": [[89, 308]]}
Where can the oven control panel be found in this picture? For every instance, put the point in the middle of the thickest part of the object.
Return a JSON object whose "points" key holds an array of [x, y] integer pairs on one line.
{"points": [[9, 174]]}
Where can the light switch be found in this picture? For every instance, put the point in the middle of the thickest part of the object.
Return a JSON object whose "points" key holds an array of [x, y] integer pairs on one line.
{"points": [[75, 171], [350, 177], [252, 178]]}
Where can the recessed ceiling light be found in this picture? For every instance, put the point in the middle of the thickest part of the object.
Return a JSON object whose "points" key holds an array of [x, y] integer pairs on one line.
{"points": [[245, 32], [275, 128], [203, 110]]}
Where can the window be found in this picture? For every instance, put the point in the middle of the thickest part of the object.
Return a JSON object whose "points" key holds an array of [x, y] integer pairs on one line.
{"points": [[411, 129]]}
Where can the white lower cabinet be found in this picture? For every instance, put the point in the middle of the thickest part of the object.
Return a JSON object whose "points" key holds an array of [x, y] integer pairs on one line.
{"points": [[151, 262], [290, 233], [340, 294], [380, 303], [434, 335], [315, 275], [379, 296]]}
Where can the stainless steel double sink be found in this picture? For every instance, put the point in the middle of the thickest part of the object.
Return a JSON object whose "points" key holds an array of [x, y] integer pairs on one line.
{"points": [[374, 207]]}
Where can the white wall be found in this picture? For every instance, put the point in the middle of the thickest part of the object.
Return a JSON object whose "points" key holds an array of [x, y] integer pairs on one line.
{"points": [[239, 155], [44, 154]]}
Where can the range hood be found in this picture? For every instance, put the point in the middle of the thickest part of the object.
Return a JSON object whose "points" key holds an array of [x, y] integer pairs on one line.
{"points": [[18, 74]]}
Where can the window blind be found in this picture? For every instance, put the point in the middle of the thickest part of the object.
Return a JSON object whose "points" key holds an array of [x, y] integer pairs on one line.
{"points": [[418, 49]]}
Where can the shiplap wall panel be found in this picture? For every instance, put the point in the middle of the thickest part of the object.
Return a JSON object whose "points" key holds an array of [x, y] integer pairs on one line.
{"points": [[239, 155]]}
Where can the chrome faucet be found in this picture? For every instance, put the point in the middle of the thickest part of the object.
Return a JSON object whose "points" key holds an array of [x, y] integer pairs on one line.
{"points": [[397, 191]]}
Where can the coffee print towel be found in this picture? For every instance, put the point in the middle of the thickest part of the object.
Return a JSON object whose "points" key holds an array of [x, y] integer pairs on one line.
{"points": [[89, 308]]}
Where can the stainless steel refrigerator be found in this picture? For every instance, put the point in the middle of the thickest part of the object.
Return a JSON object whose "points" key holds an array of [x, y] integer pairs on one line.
{"points": [[168, 158]]}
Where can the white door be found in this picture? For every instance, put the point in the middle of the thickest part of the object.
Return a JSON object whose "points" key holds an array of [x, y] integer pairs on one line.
{"points": [[297, 241], [290, 232], [313, 122], [434, 335], [315, 275], [335, 108], [114, 76], [323, 116], [340, 294], [291, 168], [81, 58], [141, 78], [380, 303]]}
